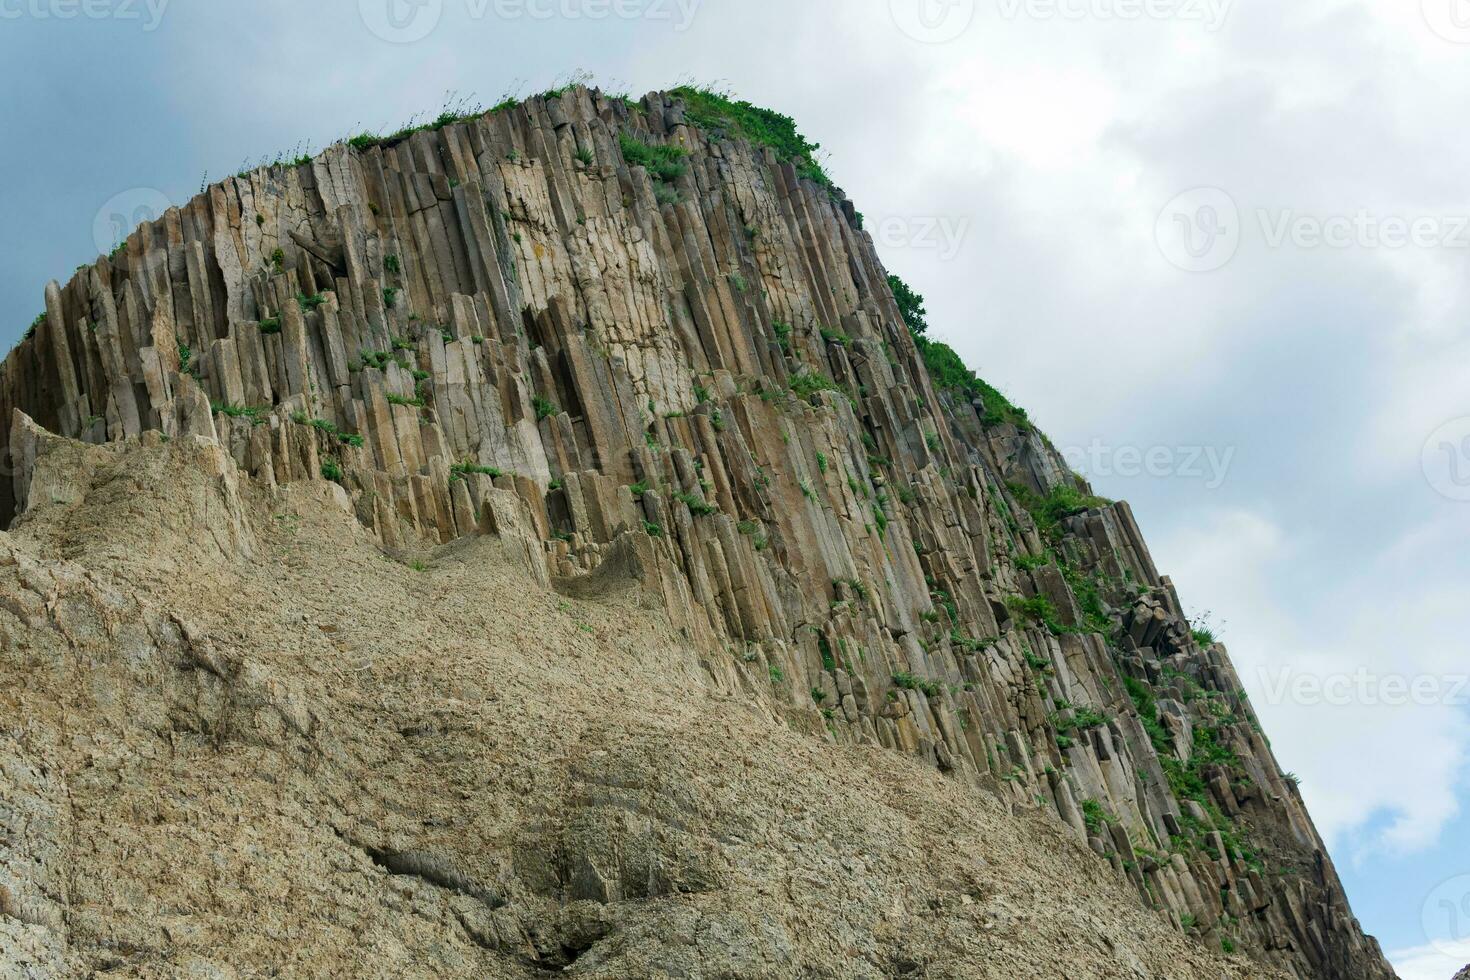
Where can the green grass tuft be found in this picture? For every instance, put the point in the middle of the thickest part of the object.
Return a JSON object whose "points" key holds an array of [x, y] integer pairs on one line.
{"points": [[720, 115]]}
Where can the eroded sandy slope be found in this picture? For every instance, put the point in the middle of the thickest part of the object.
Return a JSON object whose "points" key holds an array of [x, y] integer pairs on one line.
{"points": [[238, 740]]}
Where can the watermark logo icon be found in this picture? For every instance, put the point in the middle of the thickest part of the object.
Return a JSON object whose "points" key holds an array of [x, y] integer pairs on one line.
{"points": [[1446, 916], [1199, 231], [123, 212], [932, 21], [1446, 459], [401, 21], [1450, 19]]}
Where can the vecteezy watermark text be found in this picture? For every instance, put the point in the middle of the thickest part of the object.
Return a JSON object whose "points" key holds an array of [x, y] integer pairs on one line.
{"points": [[149, 12], [1364, 688], [940, 21], [406, 21], [1099, 459], [1363, 229], [1211, 13], [935, 233], [1201, 230]]}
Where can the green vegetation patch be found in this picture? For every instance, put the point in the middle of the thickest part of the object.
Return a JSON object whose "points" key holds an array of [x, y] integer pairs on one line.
{"points": [[664, 162], [946, 369], [1060, 503], [719, 114]]}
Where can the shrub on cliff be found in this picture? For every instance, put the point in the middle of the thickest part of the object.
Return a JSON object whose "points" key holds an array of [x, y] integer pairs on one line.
{"points": [[718, 113], [946, 369]]}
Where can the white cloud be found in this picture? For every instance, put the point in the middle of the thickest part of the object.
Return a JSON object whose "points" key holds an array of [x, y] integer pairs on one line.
{"points": [[1439, 962], [1366, 754]]}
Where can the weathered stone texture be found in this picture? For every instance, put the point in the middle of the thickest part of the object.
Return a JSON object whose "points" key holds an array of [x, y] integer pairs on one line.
{"points": [[617, 374]]}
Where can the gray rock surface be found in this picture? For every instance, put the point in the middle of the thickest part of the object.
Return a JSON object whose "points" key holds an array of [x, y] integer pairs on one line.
{"points": [[694, 388]]}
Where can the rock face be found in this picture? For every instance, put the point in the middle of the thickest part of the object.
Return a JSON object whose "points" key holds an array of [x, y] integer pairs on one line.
{"points": [[289, 755], [690, 385]]}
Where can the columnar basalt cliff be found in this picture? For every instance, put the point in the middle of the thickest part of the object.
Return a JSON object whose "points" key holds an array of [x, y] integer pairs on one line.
{"points": [[661, 351]]}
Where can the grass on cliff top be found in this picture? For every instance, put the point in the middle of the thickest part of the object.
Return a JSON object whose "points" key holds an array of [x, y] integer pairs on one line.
{"points": [[715, 111], [946, 368]]}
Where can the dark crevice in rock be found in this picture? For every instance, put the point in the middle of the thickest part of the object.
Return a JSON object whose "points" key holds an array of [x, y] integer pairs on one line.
{"points": [[435, 870]]}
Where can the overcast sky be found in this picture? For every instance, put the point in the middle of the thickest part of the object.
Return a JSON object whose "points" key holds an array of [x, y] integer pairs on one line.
{"points": [[1218, 249]]}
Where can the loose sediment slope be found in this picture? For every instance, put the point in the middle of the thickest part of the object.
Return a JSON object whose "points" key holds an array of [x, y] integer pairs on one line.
{"points": [[281, 750], [810, 564]]}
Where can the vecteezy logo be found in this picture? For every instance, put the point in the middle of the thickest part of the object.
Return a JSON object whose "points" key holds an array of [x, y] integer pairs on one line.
{"points": [[401, 21], [123, 212], [1199, 231], [1450, 19], [1446, 915], [932, 21], [1447, 459]]}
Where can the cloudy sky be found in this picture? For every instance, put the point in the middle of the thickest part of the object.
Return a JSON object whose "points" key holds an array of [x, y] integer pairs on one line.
{"points": [[1218, 249]]}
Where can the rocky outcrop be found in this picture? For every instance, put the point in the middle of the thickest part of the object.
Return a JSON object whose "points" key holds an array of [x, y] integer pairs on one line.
{"points": [[693, 375], [312, 760]]}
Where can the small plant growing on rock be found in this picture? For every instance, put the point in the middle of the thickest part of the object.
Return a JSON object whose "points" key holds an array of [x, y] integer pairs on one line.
{"points": [[808, 383], [470, 466], [1095, 817], [240, 412], [663, 162], [696, 506], [782, 331], [909, 682]]}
